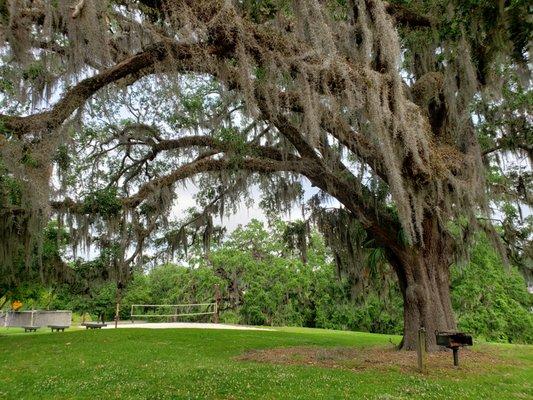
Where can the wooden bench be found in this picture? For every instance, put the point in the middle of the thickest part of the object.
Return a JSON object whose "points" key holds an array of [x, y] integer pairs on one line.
{"points": [[93, 325], [58, 327], [29, 328]]}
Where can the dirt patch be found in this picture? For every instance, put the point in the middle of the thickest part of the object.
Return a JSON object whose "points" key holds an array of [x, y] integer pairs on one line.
{"points": [[377, 358]]}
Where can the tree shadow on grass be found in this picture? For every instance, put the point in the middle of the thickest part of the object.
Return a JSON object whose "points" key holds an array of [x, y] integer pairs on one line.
{"points": [[440, 363]]}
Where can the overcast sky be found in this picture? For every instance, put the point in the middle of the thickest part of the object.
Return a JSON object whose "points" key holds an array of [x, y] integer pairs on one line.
{"points": [[244, 214]]}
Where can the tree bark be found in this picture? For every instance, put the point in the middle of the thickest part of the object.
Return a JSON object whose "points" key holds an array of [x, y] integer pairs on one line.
{"points": [[423, 274]]}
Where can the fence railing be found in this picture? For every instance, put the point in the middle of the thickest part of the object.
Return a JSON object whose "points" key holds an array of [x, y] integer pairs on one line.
{"points": [[159, 310]]}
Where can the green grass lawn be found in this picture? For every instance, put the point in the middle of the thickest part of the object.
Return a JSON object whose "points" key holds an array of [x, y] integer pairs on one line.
{"points": [[202, 364]]}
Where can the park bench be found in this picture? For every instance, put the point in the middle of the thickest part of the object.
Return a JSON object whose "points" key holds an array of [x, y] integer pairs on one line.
{"points": [[30, 328], [93, 325], [58, 327]]}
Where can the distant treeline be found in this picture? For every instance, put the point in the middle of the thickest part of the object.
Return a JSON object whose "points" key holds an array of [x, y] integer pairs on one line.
{"points": [[264, 283]]}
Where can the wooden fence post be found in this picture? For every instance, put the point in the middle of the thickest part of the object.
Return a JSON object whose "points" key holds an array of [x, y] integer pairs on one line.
{"points": [[421, 349], [118, 299], [217, 304]]}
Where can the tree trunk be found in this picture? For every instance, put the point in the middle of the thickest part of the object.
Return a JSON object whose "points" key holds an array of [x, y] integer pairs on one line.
{"points": [[423, 274]]}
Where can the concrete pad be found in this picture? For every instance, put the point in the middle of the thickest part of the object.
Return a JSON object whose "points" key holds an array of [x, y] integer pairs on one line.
{"points": [[181, 325]]}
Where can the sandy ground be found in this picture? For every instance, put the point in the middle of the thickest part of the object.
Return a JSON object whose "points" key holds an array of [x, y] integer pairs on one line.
{"points": [[178, 325]]}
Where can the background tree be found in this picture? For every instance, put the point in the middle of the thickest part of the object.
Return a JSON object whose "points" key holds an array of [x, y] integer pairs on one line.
{"points": [[263, 282]]}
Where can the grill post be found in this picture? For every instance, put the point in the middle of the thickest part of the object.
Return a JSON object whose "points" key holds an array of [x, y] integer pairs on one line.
{"points": [[455, 356]]}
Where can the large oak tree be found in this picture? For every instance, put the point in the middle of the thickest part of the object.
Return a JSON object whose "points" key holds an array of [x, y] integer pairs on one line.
{"points": [[368, 100]]}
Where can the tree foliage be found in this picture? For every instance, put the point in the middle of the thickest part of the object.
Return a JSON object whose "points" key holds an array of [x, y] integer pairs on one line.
{"points": [[492, 301], [263, 282]]}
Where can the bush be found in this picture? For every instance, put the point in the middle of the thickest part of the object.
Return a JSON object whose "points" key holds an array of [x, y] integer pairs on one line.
{"points": [[230, 317], [490, 300]]}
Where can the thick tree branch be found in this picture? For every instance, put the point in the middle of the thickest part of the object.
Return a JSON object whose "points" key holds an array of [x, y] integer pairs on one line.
{"points": [[504, 144], [79, 94], [221, 146], [138, 66], [407, 17], [348, 193], [252, 164]]}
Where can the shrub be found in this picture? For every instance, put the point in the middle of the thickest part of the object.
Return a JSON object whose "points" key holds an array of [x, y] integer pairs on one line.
{"points": [[491, 300]]}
